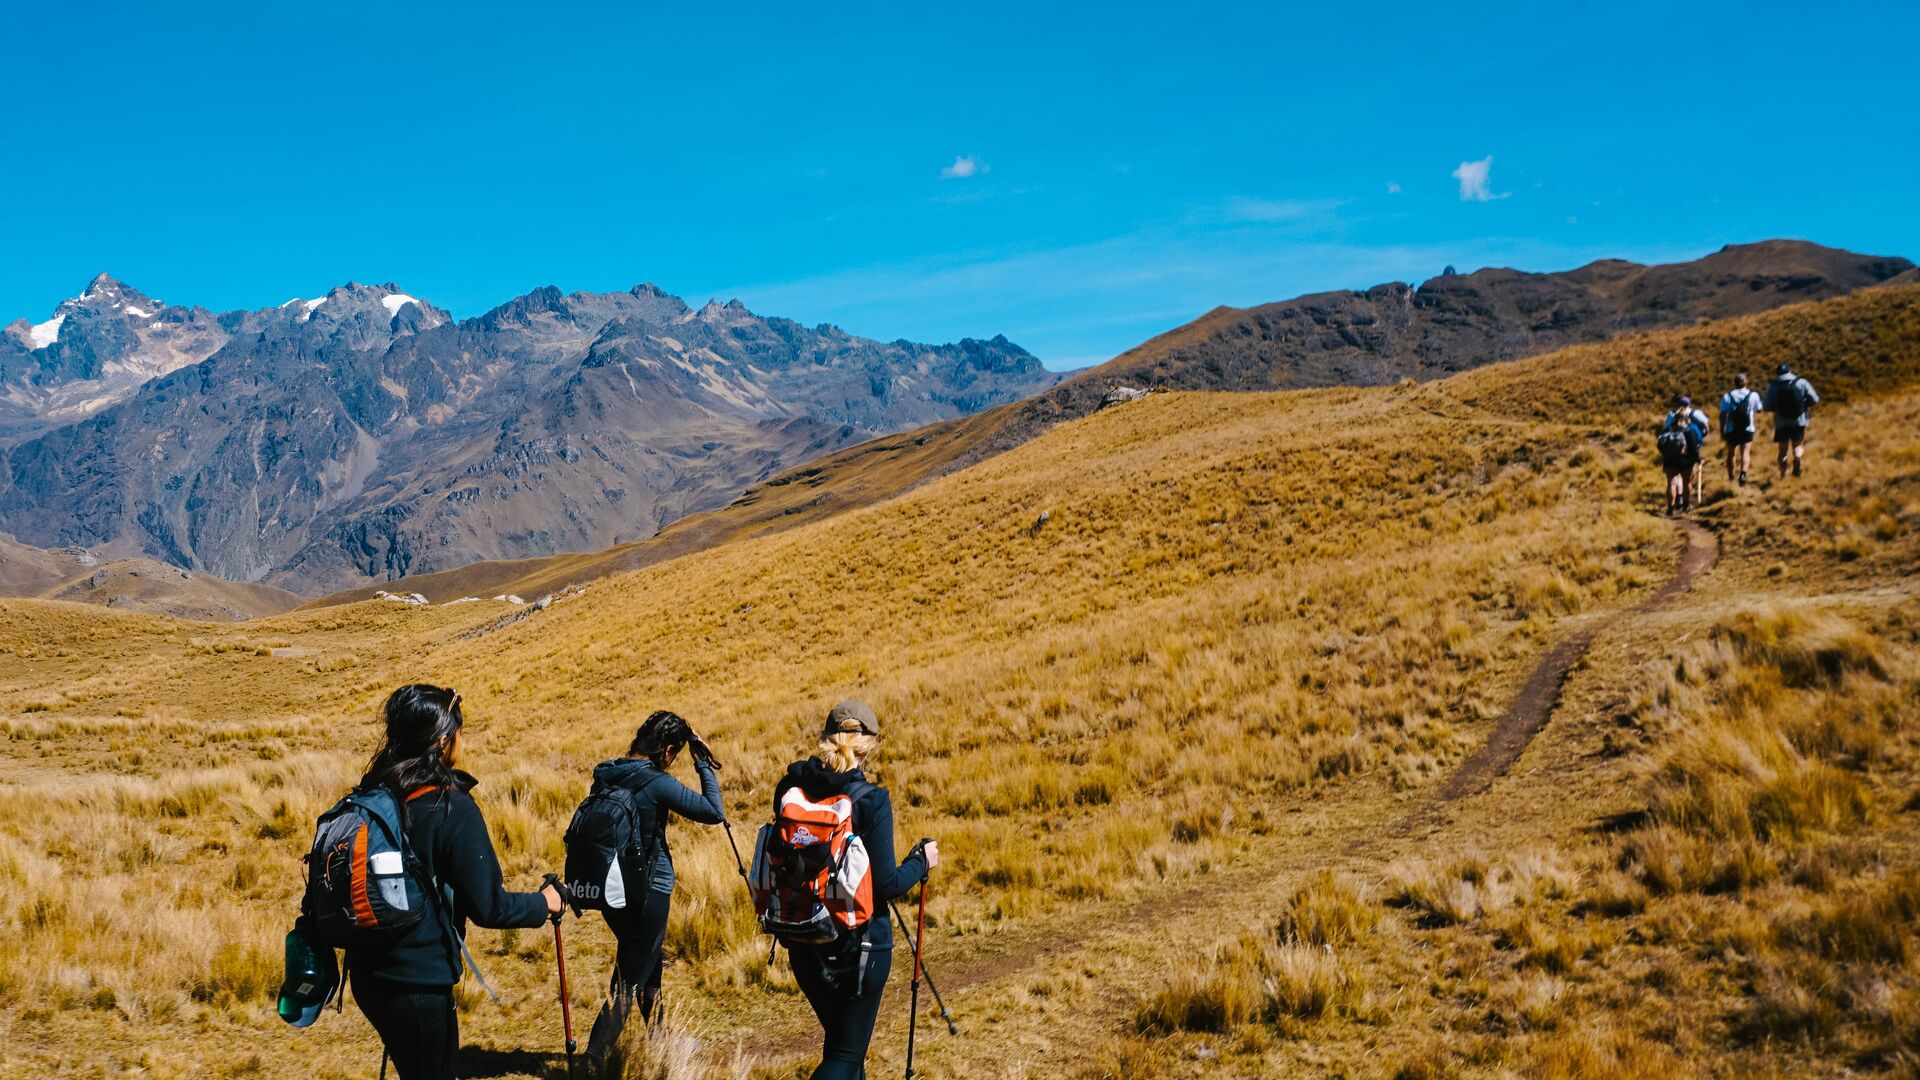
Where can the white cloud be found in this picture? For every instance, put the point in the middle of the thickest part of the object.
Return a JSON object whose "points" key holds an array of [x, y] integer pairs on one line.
{"points": [[1476, 181], [964, 166], [1393, 187]]}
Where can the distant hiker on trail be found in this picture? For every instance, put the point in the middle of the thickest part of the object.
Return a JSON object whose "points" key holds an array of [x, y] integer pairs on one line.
{"points": [[618, 861], [405, 985], [1696, 479], [1789, 398], [828, 908], [1679, 439], [1737, 409]]}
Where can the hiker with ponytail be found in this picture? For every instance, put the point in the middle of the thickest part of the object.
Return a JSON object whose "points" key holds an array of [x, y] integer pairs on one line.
{"points": [[842, 979], [405, 985], [631, 881]]}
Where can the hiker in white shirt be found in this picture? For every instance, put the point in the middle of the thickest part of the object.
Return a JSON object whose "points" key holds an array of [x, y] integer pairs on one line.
{"points": [[1737, 427]]}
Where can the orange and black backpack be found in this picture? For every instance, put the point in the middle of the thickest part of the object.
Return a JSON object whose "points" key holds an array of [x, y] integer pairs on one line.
{"points": [[811, 881], [364, 883]]}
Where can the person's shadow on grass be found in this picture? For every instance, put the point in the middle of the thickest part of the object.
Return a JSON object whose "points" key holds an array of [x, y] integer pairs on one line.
{"points": [[481, 1063]]}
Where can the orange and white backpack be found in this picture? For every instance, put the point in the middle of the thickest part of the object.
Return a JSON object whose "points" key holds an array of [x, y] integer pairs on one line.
{"points": [[810, 880]]}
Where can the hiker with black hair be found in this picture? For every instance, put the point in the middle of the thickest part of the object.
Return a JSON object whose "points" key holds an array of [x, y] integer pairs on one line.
{"points": [[638, 917], [844, 978], [1696, 479], [1789, 398], [405, 985], [1737, 409], [1679, 438]]}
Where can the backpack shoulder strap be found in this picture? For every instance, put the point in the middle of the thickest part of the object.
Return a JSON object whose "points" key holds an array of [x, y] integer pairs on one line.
{"points": [[856, 791]]}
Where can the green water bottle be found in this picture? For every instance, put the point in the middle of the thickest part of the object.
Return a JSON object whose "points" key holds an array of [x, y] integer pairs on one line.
{"points": [[312, 977]]}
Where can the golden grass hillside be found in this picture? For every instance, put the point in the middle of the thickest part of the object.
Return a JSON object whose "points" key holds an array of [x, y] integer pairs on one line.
{"points": [[1251, 634]]}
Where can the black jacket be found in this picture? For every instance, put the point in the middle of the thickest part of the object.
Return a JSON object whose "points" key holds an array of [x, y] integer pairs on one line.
{"points": [[873, 823], [661, 796], [450, 837]]}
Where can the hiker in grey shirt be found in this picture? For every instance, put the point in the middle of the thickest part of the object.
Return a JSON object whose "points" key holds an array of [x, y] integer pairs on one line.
{"points": [[1737, 427], [1789, 398]]}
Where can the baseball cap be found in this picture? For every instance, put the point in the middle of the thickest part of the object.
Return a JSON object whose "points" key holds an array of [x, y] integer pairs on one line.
{"points": [[850, 715]]}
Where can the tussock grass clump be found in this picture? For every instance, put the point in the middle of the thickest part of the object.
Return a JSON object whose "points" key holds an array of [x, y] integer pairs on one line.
{"points": [[1462, 889], [1805, 648], [1601, 1052], [1328, 910], [1257, 980]]}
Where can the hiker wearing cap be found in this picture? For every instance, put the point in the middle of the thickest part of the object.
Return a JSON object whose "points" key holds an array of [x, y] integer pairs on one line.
{"points": [[1679, 438], [843, 981], [405, 985], [1789, 398], [641, 873], [1737, 409]]}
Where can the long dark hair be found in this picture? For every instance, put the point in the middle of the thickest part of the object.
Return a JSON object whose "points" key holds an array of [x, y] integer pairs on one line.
{"points": [[663, 731], [421, 722]]}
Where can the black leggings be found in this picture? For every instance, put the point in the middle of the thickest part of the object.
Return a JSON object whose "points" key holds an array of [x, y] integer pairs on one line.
{"points": [[640, 931], [845, 1021], [418, 1026]]}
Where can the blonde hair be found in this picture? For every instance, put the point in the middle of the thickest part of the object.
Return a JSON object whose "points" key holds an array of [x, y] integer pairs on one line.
{"points": [[845, 750]]}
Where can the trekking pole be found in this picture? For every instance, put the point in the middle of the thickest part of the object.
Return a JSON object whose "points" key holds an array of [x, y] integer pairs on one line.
{"points": [[952, 1028], [566, 996], [742, 866], [913, 1009]]}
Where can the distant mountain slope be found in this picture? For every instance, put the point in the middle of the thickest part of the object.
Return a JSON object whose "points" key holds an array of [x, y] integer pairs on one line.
{"points": [[364, 435], [1377, 336], [132, 585]]}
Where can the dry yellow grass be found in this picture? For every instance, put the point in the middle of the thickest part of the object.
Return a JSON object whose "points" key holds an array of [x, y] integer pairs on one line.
{"points": [[1249, 622]]}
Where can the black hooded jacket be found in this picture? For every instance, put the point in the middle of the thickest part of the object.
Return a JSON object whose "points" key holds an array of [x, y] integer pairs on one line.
{"points": [[449, 836], [873, 823], [661, 796]]}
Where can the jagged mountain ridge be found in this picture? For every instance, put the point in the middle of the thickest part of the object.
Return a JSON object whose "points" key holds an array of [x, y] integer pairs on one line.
{"points": [[1446, 324], [364, 434], [101, 346]]}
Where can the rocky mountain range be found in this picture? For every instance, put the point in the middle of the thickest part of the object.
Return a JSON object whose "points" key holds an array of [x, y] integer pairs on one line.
{"points": [[365, 434]]}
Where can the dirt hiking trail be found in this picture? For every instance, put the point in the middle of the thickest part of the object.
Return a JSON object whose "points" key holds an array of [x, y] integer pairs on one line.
{"points": [[1366, 828], [1541, 691]]}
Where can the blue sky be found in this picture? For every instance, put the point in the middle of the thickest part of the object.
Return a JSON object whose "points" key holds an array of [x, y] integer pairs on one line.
{"points": [[1076, 177]]}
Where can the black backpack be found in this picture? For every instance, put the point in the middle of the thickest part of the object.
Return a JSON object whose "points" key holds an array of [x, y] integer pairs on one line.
{"points": [[1675, 439], [364, 883], [609, 859]]}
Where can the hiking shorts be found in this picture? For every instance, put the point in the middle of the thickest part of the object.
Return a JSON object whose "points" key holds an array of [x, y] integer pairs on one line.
{"points": [[1739, 438], [1790, 433]]}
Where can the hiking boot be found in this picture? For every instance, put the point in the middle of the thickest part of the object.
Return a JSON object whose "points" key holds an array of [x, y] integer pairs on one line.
{"points": [[1743, 479], [1796, 466]]}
